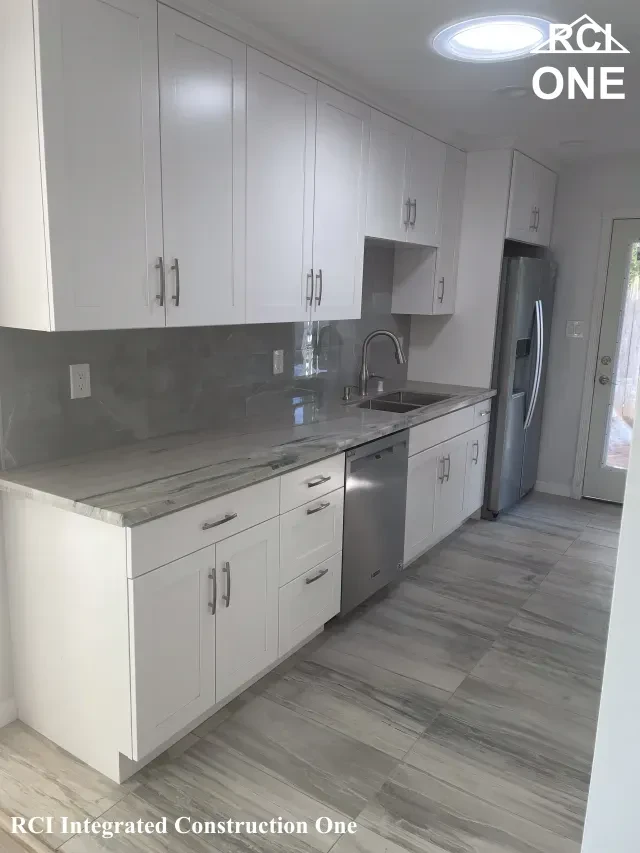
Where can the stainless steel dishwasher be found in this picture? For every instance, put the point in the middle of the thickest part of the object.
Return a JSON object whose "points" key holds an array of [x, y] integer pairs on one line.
{"points": [[374, 513]]}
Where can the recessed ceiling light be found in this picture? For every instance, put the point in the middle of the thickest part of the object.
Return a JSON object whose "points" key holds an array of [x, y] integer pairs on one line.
{"points": [[493, 38]]}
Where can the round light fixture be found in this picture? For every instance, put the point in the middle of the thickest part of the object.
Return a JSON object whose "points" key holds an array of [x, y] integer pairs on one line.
{"points": [[493, 38]]}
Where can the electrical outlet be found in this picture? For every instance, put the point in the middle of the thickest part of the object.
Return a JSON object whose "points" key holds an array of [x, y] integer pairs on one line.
{"points": [[80, 381], [575, 329], [278, 361]]}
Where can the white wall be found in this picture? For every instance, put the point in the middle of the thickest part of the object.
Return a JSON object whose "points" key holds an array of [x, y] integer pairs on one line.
{"points": [[459, 349], [612, 813], [586, 193], [7, 705]]}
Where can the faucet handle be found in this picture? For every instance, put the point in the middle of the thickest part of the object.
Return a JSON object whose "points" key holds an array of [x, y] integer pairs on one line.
{"points": [[346, 393], [377, 382]]}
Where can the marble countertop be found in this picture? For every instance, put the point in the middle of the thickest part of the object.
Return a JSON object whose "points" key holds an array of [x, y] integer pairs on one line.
{"points": [[135, 483]]}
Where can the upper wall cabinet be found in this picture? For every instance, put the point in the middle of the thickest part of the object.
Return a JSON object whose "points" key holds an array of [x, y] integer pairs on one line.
{"points": [[531, 201], [202, 111], [405, 183], [446, 273], [81, 219], [307, 157]]}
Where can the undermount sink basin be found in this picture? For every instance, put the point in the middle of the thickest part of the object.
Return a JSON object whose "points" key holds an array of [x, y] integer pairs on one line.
{"points": [[414, 398], [381, 405]]}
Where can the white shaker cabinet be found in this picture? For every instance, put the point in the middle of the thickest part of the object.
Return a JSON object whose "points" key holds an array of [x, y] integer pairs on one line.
{"points": [[281, 151], [247, 570], [446, 271], [421, 497], [531, 200], [476, 464], [426, 167], [387, 201], [80, 165], [452, 463], [340, 203], [203, 92], [172, 636]]}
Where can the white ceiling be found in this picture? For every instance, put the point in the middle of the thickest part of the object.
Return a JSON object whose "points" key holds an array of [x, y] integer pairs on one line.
{"points": [[379, 48]]}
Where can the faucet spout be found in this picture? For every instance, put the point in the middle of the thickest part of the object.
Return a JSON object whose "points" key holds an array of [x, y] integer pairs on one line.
{"points": [[364, 368]]}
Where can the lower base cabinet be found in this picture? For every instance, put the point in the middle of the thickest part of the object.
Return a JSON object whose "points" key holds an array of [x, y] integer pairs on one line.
{"points": [[477, 443], [421, 502], [450, 486], [173, 648], [309, 601], [247, 570]]}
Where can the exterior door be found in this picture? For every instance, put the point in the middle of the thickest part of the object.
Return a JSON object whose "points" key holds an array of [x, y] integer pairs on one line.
{"points": [[172, 648], [102, 136], [342, 160], [616, 378], [247, 567], [203, 89], [281, 146]]}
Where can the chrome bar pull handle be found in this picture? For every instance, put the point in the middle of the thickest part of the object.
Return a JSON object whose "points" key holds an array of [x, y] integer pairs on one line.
{"points": [[318, 481], [319, 508], [175, 268], [448, 457], [476, 447], [317, 577], [207, 525], [226, 570], [441, 461], [441, 293], [407, 216], [310, 286], [320, 286], [160, 296], [537, 219], [212, 604], [414, 207]]}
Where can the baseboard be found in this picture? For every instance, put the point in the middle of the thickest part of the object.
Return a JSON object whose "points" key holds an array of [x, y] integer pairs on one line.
{"points": [[8, 712], [553, 489]]}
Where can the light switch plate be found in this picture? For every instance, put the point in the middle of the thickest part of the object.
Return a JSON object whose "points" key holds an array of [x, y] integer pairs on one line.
{"points": [[278, 361], [575, 329], [80, 381]]}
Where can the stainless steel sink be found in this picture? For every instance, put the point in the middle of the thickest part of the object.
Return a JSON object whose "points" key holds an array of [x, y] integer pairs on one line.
{"points": [[381, 405], [414, 398]]}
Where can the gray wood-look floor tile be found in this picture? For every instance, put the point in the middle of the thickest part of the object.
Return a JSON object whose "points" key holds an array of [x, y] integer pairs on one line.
{"points": [[38, 778], [554, 508], [584, 583], [322, 763], [422, 814], [565, 611], [10, 843], [360, 699], [527, 531], [526, 556], [593, 553], [597, 536]]}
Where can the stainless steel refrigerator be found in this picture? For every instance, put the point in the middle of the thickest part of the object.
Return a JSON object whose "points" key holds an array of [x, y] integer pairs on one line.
{"points": [[519, 371]]}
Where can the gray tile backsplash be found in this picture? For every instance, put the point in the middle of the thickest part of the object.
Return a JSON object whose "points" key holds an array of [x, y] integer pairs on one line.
{"points": [[152, 382]]}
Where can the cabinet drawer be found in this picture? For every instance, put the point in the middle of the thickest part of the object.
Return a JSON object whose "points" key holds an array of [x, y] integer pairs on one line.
{"points": [[310, 534], [482, 413], [309, 601], [166, 539], [309, 483], [434, 432]]}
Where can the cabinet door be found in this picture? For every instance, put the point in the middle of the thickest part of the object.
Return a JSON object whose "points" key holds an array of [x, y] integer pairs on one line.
{"points": [[452, 463], [203, 87], [309, 601], [247, 606], [424, 188], [521, 218], [310, 534], [545, 194], [342, 160], [387, 202], [172, 631], [281, 141], [444, 293], [421, 494], [476, 463], [100, 125]]}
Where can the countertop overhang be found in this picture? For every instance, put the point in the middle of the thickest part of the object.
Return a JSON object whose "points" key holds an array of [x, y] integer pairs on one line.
{"points": [[140, 482]]}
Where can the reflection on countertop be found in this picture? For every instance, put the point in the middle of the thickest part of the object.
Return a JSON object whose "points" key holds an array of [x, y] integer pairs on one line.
{"points": [[135, 483]]}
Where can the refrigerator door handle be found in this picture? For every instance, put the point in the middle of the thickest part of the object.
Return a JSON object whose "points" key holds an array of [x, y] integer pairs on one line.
{"points": [[539, 360]]}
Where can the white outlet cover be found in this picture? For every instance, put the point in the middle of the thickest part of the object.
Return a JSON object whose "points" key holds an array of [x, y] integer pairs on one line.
{"points": [[575, 329], [79, 381]]}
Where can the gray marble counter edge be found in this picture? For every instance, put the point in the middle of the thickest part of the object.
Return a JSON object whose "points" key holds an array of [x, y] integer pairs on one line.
{"points": [[232, 483]]}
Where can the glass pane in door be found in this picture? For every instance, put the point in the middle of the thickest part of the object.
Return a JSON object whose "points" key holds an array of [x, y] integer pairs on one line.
{"points": [[622, 409]]}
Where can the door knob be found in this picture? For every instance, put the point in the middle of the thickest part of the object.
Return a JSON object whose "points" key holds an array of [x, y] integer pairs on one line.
{"points": [[604, 380]]}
